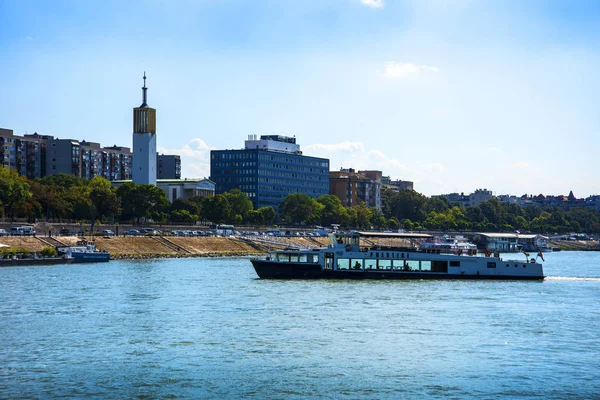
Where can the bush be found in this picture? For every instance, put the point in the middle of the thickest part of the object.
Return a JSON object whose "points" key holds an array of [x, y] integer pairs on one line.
{"points": [[49, 252]]}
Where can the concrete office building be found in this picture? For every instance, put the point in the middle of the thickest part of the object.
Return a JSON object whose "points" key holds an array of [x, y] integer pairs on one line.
{"points": [[268, 169], [144, 141], [168, 166]]}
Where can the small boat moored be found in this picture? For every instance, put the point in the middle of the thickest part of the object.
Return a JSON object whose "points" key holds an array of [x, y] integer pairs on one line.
{"points": [[346, 258], [85, 252]]}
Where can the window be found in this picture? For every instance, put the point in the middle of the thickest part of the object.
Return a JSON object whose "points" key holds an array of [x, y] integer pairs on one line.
{"points": [[491, 265], [370, 264], [343, 263]]}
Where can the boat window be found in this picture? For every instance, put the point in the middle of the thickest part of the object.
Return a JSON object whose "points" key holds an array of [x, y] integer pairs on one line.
{"points": [[293, 257], [343, 263], [426, 266], [385, 264], [402, 255], [399, 265], [413, 265], [314, 259], [455, 263], [356, 264], [302, 258], [370, 264], [491, 265]]}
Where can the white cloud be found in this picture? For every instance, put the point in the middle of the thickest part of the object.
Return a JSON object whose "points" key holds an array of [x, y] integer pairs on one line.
{"points": [[354, 155], [195, 158], [349, 147], [373, 3], [403, 70]]}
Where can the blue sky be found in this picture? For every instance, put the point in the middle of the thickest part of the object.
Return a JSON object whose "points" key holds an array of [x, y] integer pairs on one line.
{"points": [[454, 95]]}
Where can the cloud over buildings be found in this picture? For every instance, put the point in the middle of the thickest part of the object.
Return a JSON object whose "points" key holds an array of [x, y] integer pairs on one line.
{"points": [[195, 158]]}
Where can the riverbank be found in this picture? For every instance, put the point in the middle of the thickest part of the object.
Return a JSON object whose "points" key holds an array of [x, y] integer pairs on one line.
{"points": [[148, 247]]}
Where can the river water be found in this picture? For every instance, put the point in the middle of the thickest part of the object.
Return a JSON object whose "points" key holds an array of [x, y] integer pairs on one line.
{"points": [[208, 328]]}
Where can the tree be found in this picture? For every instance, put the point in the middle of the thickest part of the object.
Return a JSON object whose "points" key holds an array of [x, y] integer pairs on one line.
{"points": [[333, 211], [180, 204], [297, 208], [239, 204], [268, 214], [405, 204], [217, 209], [138, 201], [14, 189], [104, 199]]}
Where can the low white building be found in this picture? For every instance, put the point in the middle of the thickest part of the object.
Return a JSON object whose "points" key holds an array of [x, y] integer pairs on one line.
{"points": [[186, 188], [181, 188]]}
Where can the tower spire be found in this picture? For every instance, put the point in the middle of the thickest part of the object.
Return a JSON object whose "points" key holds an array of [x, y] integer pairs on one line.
{"points": [[144, 98]]}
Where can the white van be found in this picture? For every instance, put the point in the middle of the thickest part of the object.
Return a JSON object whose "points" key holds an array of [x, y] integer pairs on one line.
{"points": [[22, 231]]}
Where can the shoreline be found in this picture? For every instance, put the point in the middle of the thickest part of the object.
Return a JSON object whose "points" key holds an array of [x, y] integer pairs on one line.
{"points": [[156, 247]]}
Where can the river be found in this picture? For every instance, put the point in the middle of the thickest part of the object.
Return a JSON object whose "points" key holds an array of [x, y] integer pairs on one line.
{"points": [[208, 328]]}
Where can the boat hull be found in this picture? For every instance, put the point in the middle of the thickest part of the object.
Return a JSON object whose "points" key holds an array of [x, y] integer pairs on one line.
{"points": [[26, 262], [269, 269], [90, 257]]}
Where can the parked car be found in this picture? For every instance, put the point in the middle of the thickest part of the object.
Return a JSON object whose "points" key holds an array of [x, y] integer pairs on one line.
{"points": [[3, 232], [131, 232], [108, 232], [65, 232], [22, 231]]}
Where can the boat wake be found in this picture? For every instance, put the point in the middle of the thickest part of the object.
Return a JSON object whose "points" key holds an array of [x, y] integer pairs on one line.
{"points": [[572, 278]]}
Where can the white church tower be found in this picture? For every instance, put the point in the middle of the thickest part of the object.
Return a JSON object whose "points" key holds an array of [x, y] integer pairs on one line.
{"points": [[144, 142]]}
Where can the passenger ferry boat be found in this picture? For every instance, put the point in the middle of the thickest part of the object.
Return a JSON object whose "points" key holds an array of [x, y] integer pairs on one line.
{"points": [[85, 252], [346, 258]]}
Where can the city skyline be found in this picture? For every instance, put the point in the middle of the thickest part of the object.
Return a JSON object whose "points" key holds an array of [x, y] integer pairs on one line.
{"points": [[454, 96]]}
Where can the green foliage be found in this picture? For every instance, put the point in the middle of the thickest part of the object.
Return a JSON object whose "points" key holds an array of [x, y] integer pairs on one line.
{"points": [[217, 209], [66, 196], [297, 208], [14, 189], [139, 201], [49, 252], [183, 216]]}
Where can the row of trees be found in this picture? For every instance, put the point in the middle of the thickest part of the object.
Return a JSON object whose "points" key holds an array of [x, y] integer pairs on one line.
{"points": [[61, 197], [411, 210]]}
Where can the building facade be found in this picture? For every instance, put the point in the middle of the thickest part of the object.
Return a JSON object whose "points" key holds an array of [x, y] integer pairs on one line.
{"points": [[268, 169], [144, 141], [168, 166], [353, 187], [397, 185], [87, 159], [25, 154]]}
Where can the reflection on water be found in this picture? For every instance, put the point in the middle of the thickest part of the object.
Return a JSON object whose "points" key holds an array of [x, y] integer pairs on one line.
{"points": [[209, 328]]}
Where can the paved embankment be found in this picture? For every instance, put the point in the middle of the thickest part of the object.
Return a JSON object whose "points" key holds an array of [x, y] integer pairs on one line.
{"points": [[169, 246]]}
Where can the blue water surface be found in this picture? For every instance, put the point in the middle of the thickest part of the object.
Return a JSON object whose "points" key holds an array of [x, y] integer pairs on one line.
{"points": [[208, 328]]}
